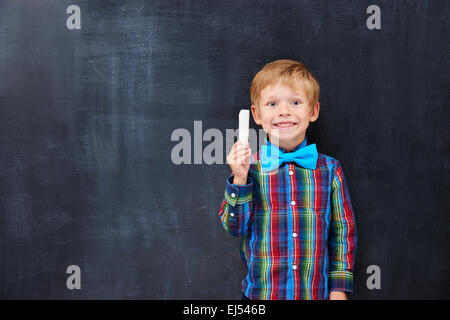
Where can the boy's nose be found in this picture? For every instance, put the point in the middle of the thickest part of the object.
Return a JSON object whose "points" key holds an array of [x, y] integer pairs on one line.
{"points": [[284, 108]]}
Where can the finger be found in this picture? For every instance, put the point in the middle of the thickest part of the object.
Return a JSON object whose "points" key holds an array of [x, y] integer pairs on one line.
{"points": [[237, 145], [243, 148], [240, 144], [235, 157], [232, 151], [240, 159], [243, 158], [242, 152], [239, 148]]}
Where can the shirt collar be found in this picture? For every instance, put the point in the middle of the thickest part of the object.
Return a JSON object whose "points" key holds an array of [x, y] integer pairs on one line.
{"points": [[271, 145]]}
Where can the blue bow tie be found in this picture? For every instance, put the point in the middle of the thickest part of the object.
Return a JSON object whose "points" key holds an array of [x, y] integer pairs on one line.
{"points": [[272, 157]]}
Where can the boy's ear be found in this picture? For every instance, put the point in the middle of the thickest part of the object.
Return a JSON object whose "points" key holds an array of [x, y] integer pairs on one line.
{"points": [[256, 115], [314, 114]]}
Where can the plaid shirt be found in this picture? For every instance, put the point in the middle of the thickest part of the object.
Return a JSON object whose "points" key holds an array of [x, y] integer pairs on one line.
{"points": [[298, 227]]}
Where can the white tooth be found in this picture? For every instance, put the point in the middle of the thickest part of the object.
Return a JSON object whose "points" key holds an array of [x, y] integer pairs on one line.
{"points": [[285, 124]]}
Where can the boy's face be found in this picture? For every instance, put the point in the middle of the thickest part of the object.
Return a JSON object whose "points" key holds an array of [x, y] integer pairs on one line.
{"points": [[284, 114]]}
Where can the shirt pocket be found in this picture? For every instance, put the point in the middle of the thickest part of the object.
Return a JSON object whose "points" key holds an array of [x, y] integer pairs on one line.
{"points": [[311, 191]]}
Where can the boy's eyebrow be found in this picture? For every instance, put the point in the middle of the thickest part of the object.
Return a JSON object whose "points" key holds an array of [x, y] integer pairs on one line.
{"points": [[294, 96]]}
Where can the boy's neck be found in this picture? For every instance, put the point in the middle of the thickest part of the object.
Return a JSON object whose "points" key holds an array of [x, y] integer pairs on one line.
{"points": [[289, 146]]}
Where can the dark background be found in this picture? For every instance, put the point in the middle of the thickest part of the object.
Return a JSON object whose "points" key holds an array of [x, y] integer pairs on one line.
{"points": [[86, 117]]}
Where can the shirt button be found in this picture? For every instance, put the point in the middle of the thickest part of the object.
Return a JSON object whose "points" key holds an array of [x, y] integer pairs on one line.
{"points": [[293, 203], [291, 173], [294, 267], [294, 235], [233, 195], [231, 214]]}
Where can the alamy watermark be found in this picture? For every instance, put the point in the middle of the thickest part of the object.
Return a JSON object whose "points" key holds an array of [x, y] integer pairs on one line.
{"points": [[73, 22], [189, 149], [374, 280], [74, 280]]}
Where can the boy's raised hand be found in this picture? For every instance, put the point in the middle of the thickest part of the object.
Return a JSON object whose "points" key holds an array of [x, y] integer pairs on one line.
{"points": [[238, 159]]}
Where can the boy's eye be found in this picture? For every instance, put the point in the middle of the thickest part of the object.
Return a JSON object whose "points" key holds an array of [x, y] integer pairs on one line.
{"points": [[295, 103]]}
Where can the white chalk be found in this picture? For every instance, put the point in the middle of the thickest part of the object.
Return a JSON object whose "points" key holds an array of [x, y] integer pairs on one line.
{"points": [[244, 118]]}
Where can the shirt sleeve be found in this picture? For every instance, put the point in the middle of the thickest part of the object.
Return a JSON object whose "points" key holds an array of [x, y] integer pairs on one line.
{"points": [[236, 207], [343, 236]]}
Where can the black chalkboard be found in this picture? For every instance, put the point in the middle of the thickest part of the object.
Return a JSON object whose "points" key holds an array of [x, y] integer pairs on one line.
{"points": [[88, 108]]}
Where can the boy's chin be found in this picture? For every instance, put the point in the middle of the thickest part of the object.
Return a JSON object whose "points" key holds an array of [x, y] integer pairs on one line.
{"points": [[281, 140], [280, 137]]}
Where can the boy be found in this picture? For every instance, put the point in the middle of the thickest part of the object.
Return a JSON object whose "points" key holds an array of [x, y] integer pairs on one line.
{"points": [[291, 204]]}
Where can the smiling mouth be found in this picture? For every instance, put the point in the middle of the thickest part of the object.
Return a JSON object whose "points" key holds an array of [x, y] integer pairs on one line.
{"points": [[285, 124]]}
